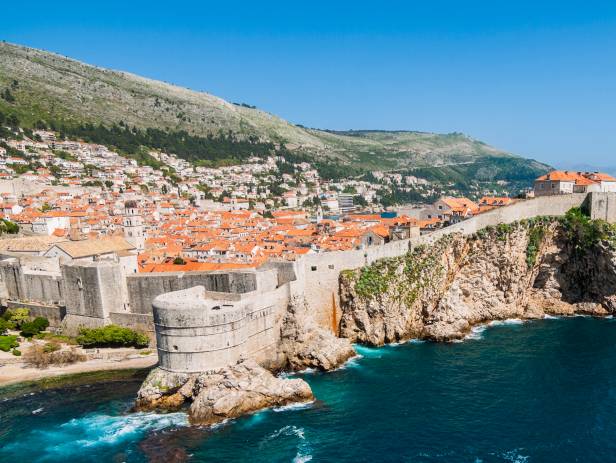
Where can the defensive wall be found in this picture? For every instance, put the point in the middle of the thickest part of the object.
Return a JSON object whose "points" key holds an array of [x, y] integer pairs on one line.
{"points": [[212, 318], [197, 330], [320, 272]]}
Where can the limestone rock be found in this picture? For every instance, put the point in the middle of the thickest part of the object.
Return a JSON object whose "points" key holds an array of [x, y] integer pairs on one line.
{"points": [[306, 345], [440, 292], [221, 394], [164, 390], [241, 389]]}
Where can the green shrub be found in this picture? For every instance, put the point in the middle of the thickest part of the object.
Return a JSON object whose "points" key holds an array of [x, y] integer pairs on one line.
{"points": [[51, 347], [583, 232], [535, 238], [29, 329], [41, 322], [8, 342], [17, 316], [6, 325], [16, 352], [111, 336]]}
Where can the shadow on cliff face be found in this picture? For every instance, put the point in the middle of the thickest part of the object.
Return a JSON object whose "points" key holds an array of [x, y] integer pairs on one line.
{"points": [[585, 266]]}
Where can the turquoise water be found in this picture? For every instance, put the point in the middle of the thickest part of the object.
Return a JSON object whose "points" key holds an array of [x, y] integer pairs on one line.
{"points": [[542, 391]]}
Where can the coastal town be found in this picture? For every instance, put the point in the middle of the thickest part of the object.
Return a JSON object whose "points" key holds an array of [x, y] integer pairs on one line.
{"points": [[179, 217], [288, 232]]}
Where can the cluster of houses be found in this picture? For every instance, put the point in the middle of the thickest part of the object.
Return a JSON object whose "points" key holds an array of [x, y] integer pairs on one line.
{"points": [[560, 182], [87, 202]]}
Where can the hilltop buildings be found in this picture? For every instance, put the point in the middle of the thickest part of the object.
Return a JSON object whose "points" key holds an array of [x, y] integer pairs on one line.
{"points": [[567, 182]]}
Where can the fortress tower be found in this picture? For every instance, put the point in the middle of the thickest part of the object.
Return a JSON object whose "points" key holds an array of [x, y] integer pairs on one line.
{"points": [[133, 225]]}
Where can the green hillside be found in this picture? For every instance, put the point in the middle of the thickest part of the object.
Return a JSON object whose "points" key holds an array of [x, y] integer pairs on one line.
{"points": [[44, 89]]}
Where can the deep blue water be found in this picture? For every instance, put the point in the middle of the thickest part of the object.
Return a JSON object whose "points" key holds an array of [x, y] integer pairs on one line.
{"points": [[542, 391]]}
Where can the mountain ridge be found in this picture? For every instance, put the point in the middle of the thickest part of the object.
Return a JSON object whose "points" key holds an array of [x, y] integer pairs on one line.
{"points": [[52, 87]]}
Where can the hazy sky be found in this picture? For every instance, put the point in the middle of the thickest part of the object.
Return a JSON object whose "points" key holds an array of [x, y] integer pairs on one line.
{"points": [[537, 78]]}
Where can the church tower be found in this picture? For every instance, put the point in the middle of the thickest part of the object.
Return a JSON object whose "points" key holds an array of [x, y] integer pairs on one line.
{"points": [[133, 225]]}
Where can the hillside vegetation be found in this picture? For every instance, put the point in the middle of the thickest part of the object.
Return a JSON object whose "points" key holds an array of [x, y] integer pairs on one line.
{"points": [[44, 89]]}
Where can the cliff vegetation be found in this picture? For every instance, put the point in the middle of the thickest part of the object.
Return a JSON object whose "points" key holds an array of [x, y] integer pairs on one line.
{"points": [[526, 269]]}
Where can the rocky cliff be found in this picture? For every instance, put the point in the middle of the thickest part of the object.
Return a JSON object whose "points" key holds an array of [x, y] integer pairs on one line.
{"points": [[524, 270], [304, 344]]}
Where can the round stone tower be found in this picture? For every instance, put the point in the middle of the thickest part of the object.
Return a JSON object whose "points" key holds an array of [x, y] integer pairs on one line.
{"points": [[133, 225], [195, 333]]}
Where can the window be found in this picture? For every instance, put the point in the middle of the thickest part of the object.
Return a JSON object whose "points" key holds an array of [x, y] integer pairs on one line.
{"points": [[330, 266], [313, 268]]}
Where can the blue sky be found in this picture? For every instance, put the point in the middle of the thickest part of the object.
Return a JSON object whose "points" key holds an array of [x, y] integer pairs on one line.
{"points": [[534, 78]]}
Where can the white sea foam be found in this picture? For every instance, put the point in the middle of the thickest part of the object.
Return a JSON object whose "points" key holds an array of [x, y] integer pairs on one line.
{"points": [[38, 410], [416, 341], [508, 321], [96, 430], [303, 446], [476, 332], [293, 374], [514, 456], [299, 458], [551, 317], [353, 362], [298, 406], [368, 352]]}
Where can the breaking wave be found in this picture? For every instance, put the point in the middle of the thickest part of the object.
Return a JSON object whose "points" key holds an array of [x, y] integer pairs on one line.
{"points": [[97, 430], [508, 321], [303, 447], [298, 406]]}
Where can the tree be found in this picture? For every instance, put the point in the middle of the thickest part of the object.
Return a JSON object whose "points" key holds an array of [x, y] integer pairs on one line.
{"points": [[359, 200], [17, 316], [6, 226], [8, 96]]}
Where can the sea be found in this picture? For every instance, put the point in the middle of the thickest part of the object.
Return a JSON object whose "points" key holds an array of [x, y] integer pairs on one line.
{"points": [[513, 391]]}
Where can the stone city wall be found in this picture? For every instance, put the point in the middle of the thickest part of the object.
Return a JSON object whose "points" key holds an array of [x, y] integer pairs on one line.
{"points": [[602, 206]]}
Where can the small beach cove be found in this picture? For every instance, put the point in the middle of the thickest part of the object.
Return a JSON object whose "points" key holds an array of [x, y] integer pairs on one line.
{"points": [[15, 373]]}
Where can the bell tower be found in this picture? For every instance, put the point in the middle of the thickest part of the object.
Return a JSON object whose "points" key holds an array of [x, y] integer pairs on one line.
{"points": [[133, 225]]}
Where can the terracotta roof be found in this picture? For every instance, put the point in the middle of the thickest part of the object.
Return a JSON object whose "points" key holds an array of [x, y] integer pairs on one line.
{"points": [[87, 248], [29, 243], [580, 178]]}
